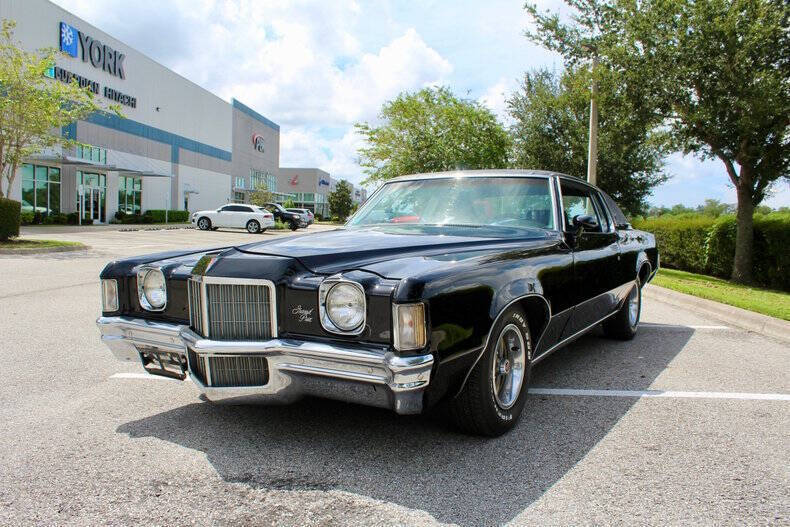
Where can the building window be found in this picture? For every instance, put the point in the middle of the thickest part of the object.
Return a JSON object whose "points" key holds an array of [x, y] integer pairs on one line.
{"points": [[240, 182], [258, 177], [238, 197], [130, 194], [91, 153], [40, 189]]}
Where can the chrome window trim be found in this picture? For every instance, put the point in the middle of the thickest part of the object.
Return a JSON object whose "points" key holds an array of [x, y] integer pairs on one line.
{"points": [[396, 329], [323, 290], [143, 270], [206, 280], [592, 188], [511, 174]]}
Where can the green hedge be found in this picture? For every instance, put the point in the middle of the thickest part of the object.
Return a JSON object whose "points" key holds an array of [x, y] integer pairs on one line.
{"points": [[173, 216], [681, 240], [10, 211], [702, 244]]}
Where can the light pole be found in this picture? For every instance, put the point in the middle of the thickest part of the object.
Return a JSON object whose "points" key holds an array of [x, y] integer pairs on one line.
{"points": [[592, 150]]}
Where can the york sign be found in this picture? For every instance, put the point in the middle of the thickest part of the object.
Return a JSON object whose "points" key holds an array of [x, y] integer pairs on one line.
{"points": [[100, 55]]}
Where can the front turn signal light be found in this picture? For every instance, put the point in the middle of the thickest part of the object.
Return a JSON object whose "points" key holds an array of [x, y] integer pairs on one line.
{"points": [[109, 295], [408, 325]]}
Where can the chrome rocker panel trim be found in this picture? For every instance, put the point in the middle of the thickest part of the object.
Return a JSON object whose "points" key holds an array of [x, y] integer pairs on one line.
{"points": [[375, 377]]}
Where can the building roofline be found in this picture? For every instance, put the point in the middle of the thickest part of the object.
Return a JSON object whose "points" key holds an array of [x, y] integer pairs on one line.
{"points": [[255, 115]]}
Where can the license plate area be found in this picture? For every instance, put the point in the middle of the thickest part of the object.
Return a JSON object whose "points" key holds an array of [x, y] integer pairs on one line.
{"points": [[163, 363]]}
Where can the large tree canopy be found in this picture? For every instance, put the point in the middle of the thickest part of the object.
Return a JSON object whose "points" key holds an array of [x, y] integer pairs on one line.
{"points": [[550, 131], [32, 105], [431, 130], [717, 72]]}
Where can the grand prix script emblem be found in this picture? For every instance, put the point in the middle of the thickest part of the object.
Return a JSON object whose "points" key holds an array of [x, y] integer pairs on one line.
{"points": [[302, 314]]}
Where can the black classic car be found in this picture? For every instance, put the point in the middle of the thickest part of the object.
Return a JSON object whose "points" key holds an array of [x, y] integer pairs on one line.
{"points": [[443, 288]]}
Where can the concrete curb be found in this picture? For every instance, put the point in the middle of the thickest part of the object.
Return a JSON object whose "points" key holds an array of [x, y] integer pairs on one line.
{"points": [[45, 250], [763, 324]]}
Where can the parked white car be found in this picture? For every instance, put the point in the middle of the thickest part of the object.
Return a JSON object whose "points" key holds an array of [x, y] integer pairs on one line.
{"points": [[250, 217]]}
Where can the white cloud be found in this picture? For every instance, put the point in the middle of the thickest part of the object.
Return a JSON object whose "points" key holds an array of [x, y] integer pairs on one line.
{"points": [[495, 98]]}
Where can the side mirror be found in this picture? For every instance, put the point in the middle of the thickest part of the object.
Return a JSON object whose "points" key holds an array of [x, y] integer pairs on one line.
{"points": [[584, 221]]}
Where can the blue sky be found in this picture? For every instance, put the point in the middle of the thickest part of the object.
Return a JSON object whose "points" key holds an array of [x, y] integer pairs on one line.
{"points": [[316, 67]]}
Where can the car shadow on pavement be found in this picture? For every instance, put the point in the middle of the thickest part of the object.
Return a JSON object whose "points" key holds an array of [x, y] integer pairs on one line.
{"points": [[420, 462]]}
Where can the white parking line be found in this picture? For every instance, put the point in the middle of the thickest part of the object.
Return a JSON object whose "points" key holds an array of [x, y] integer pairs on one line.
{"points": [[661, 394], [670, 394], [143, 376], [679, 326]]}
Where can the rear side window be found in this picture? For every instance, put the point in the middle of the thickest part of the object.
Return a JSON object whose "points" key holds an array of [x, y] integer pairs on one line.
{"points": [[244, 209], [619, 218]]}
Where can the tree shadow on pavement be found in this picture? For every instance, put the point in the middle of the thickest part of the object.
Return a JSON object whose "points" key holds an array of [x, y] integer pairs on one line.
{"points": [[421, 462]]}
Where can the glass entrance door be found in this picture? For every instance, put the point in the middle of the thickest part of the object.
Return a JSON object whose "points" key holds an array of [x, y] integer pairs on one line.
{"points": [[92, 202], [95, 205]]}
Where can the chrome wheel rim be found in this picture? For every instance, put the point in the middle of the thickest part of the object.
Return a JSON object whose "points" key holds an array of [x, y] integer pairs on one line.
{"points": [[203, 224], [633, 306], [507, 372], [252, 227]]}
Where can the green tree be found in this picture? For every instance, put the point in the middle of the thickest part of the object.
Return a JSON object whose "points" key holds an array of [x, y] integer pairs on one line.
{"points": [[261, 195], [289, 204], [715, 71], [431, 130], [340, 202], [550, 131], [715, 208], [32, 105]]}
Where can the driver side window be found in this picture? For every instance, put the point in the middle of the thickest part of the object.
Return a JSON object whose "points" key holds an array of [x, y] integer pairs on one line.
{"points": [[578, 200]]}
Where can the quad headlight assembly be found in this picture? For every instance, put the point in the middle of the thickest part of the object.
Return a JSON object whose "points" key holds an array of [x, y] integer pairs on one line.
{"points": [[342, 306], [151, 289]]}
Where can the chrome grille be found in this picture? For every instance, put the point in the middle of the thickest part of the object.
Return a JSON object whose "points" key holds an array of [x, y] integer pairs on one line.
{"points": [[231, 370], [195, 309], [232, 309]]}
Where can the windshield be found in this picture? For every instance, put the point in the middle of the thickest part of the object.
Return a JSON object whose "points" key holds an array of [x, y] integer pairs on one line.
{"points": [[515, 202]]}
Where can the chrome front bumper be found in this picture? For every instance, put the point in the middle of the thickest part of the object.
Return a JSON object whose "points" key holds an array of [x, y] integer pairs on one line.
{"points": [[371, 376]]}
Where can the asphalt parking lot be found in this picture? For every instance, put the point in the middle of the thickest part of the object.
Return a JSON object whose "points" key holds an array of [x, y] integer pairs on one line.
{"points": [[686, 424]]}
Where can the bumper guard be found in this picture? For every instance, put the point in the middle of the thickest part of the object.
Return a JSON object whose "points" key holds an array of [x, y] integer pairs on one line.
{"points": [[370, 375]]}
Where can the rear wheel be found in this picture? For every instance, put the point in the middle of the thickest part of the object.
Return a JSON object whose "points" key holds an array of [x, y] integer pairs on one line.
{"points": [[253, 227], [294, 226], [623, 324], [204, 223], [493, 398]]}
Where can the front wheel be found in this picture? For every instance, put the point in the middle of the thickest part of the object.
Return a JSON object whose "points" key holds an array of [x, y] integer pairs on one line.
{"points": [[253, 227], [204, 224], [493, 398], [623, 324]]}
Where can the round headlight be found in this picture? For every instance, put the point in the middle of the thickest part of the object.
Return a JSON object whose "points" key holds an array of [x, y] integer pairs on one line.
{"points": [[154, 289], [345, 306]]}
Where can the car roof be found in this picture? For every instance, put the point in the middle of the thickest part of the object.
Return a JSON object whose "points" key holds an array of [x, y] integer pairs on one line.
{"points": [[504, 172]]}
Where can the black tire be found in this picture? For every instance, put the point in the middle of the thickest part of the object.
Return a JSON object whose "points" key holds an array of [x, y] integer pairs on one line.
{"points": [[293, 226], [253, 227], [477, 409], [204, 223], [261, 231], [623, 325]]}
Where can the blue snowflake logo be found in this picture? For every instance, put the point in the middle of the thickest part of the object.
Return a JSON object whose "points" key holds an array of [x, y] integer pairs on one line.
{"points": [[68, 39]]}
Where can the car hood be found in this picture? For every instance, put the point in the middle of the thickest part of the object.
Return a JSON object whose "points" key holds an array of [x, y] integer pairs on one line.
{"points": [[379, 251]]}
